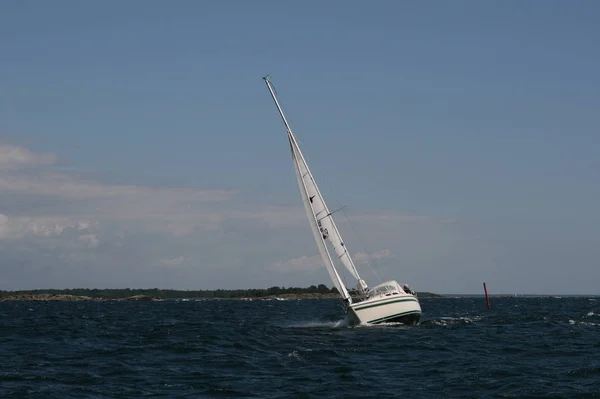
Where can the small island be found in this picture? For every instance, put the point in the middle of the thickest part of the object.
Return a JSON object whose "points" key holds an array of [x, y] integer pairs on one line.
{"points": [[155, 294]]}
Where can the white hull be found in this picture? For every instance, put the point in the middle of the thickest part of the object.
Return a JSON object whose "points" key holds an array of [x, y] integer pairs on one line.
{"points": [[402, 308]]}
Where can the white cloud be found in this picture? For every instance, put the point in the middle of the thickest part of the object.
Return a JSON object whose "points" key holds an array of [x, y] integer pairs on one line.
{"points": [[178, 260], [176, 211], [311, 263], [90, 240], [20, 157], [43, 226], [391, 216], [62, 221], [364, 257], [300, 264], [71, 187]]}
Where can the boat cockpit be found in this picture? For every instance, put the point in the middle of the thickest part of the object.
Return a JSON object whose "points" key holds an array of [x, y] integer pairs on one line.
{"points": [[389, 288]]}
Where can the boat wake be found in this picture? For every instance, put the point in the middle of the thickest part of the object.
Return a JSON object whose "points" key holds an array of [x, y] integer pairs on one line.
{"points": [[320, 324]]}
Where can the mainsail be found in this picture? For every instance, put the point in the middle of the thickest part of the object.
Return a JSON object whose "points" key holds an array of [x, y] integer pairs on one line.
{"points": [[320, 218]]}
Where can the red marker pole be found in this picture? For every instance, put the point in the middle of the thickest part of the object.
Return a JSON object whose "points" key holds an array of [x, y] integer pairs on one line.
{"points": [[487, 298]]}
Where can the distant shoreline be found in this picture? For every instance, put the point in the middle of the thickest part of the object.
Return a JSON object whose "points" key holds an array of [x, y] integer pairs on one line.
{"points": [[107, 295], [103, 295]]}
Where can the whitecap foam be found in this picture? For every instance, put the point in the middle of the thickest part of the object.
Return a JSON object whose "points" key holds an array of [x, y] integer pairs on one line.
{"points": [[446, 320], [319, 324]]}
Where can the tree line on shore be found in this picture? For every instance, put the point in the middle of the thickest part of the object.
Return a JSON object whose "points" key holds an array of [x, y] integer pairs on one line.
{"points": [[116, 293], [169, 293]]}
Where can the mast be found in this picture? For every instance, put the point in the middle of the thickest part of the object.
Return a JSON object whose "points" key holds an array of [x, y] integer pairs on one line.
{"points": [[319, 215]]}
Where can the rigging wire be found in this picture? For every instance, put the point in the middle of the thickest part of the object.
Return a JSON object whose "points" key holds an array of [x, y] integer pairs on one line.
{"points": [[370, 259]]}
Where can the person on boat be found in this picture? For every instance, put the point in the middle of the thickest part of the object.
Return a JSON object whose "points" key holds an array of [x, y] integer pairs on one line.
{"points": [[407, 289]]}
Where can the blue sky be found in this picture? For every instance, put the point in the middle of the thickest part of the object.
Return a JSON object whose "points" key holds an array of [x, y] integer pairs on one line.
{"points": [[139, 146]]}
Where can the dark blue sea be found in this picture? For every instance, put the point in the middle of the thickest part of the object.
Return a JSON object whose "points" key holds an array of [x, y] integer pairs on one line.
{"points": [[523, 347]]}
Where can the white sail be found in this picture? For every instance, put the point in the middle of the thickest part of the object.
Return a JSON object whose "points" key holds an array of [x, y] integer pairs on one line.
{"points": [[323, 216], [333, 274], [320, 218]]}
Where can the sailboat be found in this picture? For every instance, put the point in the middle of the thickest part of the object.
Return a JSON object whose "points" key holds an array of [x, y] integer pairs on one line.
{"points": [[384, 303]]}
